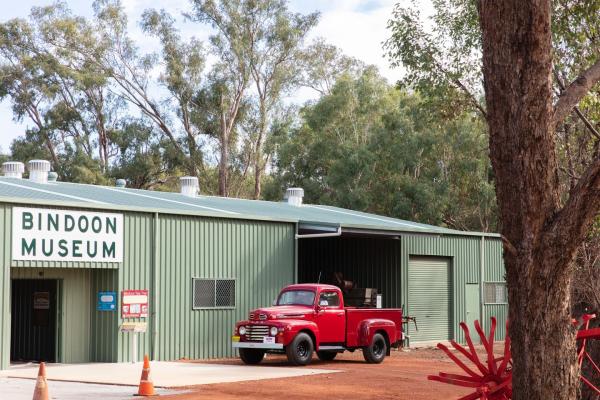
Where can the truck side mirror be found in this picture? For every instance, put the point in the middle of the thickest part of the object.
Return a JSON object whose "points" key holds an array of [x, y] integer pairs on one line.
{"points": [[274, 302]]}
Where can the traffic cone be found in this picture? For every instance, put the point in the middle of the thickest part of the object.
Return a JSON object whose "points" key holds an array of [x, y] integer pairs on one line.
{"points": [[146, 387], [41, 385]]}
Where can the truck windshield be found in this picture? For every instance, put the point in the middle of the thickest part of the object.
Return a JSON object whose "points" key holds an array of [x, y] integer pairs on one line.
{"points": [[296, 297]]}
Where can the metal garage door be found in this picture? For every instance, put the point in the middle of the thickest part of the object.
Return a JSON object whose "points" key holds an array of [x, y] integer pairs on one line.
{"points": [[430, 298]]}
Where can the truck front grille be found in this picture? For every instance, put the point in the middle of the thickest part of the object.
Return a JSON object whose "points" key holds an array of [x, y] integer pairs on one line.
{"points": [[256, 333], [260, 316]]}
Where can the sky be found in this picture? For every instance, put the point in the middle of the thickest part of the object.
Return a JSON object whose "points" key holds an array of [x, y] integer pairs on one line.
{"points": [[358, 27]]}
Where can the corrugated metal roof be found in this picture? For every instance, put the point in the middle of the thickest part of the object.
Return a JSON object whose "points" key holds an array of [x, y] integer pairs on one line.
{"points": [[23, 191]]}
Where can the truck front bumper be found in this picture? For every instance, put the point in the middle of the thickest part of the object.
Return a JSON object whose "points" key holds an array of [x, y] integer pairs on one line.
{"points": [[255, 345]]}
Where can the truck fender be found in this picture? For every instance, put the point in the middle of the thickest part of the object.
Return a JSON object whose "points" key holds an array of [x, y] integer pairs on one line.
{"points": [[307, 326], [368, 328]]}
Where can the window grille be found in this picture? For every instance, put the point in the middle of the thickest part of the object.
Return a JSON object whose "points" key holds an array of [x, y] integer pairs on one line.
{"points": [[213, 293], [495, 293]]}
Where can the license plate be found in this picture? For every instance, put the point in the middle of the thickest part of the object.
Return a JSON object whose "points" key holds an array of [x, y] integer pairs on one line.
{"points": [[268, 339], [235, 338]]}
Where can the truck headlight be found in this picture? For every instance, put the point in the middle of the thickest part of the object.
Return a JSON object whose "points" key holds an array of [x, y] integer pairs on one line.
{"points": [[273, 331], [242, 330]]}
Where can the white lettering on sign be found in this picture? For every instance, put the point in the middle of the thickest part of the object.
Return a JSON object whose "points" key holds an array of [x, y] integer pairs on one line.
{"points": [[61, 235], [135, 299]]}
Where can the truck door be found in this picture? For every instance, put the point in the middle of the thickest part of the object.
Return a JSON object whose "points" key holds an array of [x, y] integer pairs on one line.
{"points": [[331, 318]]}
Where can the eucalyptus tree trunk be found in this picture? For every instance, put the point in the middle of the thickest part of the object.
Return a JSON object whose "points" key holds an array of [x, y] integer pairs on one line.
{"points": [[541, 235]]}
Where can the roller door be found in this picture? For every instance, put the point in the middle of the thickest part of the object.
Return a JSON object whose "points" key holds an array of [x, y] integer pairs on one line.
{"points": [[430, 298]]}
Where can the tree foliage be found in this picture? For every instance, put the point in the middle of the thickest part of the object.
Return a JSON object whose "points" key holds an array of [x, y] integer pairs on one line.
{"points": [[370, 146]]}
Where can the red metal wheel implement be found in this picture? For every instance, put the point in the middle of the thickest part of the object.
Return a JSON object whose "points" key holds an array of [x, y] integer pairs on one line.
{"points": [[490, 378]]}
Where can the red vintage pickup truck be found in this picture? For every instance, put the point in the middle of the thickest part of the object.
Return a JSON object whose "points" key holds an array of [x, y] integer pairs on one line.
{"points": [[312, 317]]}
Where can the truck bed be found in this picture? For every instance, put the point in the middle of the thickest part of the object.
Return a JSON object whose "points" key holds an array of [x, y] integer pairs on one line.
{"points": [[354, 317]]}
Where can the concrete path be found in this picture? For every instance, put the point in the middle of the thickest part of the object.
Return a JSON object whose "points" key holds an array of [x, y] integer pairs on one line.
{"points": [[164, 374], [22, 389]]}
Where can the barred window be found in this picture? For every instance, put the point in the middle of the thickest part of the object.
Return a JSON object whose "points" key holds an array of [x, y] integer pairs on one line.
{"points": [[213, 293], [495, 292]]}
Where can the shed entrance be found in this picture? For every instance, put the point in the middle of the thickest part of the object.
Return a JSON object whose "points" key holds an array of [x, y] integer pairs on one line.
{"points": [[34, 320], [368, 261], [430, 298]]}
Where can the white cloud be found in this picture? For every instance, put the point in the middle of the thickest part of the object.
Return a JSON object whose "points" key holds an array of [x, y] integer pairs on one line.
{"points": [[360, 33]]}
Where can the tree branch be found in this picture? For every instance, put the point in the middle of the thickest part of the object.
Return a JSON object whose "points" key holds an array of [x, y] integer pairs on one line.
{"points": [[573, 221], [585, 121], [573, 94]]}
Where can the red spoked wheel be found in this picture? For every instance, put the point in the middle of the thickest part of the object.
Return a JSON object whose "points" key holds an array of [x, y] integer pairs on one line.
{"points": [[583, 357], [491, 378]]}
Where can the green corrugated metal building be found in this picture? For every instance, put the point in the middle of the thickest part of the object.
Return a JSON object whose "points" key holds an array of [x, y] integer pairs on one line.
{"points": [[204, 262]]}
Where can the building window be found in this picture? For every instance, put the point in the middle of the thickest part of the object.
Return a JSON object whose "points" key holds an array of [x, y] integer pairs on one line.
{"points": [[213, 293], [495, 293]]}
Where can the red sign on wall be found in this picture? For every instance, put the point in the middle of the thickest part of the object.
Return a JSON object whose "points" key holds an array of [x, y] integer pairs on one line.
{"points": [[134, 303]]}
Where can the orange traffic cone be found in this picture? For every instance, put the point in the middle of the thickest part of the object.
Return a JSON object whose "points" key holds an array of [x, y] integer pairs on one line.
{"points": [[41, 385], [146, 387]]}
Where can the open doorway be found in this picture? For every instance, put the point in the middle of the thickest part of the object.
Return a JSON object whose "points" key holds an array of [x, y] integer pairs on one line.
{"points": [[34, 320]]}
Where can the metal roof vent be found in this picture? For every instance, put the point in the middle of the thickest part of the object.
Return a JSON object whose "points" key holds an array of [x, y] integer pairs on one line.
{"points": [[189, 186], [294, 196], [121, 183], [13, 169], [38, 170], [52, 176]]}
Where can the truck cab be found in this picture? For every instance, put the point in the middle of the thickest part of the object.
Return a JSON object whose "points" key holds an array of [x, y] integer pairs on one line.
{"points": [[308, 318]]}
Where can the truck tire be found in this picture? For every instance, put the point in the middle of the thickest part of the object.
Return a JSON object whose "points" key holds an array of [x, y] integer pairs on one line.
{"points": [[376, 351], [252, 356], [300, 350], [326, 355]]}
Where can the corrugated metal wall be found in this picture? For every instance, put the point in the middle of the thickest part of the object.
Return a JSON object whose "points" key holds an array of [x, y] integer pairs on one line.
{"points": [[369, 262], [104, 324], [494, 272], [135, 274], [258, 255], [466, 263]]}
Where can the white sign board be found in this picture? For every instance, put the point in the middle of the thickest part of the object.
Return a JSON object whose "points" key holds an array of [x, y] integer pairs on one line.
{"points": [[59, 235]]}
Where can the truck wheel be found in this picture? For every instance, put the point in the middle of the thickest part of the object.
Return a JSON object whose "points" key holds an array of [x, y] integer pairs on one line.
{"points": [[326, 355], [376, 351], [251, 356], [300, 350]]}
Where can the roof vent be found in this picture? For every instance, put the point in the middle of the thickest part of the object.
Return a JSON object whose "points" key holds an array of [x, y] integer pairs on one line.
{"points": [[189, 186], [121, 183], [294, 196], [38, 170], [13, 169], [52, 176]]}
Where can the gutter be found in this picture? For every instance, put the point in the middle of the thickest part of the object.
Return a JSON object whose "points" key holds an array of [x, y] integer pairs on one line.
{"points": [[338, 232]]}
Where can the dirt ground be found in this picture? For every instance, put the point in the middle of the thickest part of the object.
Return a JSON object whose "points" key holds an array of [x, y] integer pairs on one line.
{"points": [[403, 375]]}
